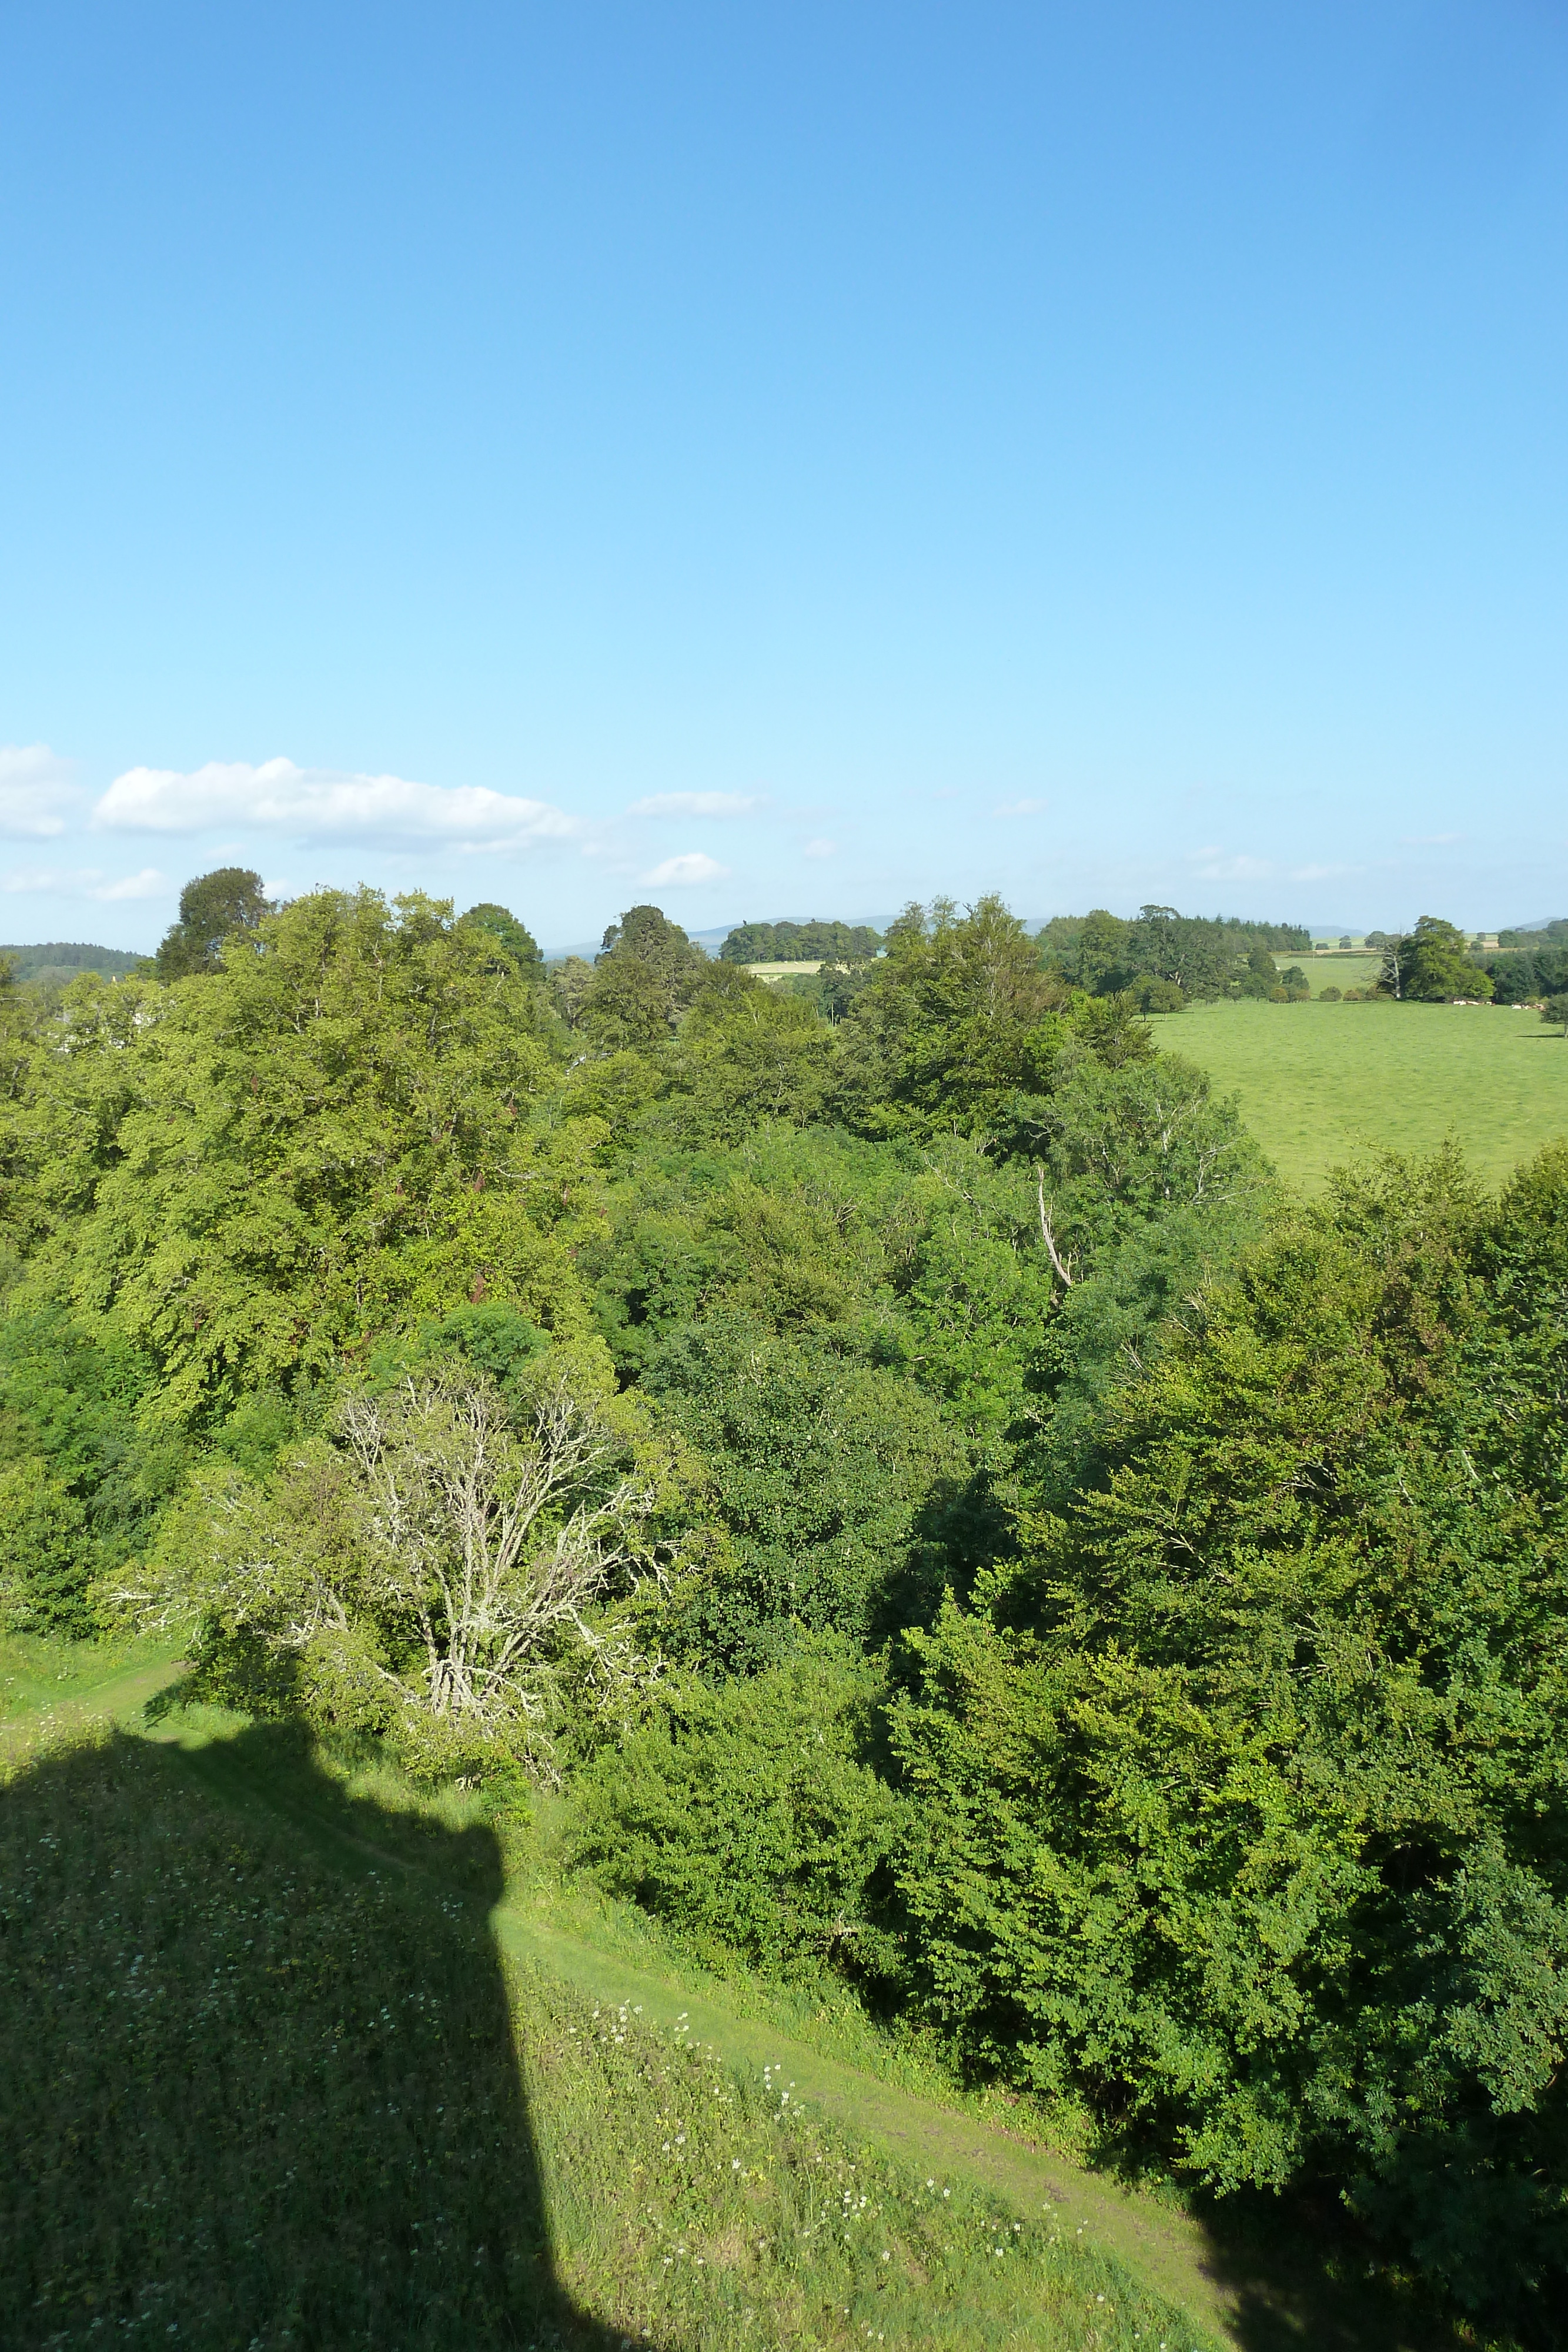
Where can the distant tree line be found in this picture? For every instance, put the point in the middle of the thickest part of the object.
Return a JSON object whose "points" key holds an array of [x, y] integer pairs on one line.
{"points": [[1163, 958], [1553, 934], [812, 942]]}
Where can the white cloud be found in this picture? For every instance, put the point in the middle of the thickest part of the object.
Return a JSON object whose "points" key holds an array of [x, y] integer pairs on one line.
{"points": [[680, 873], [86, 882], [1021, 808], [37, 791], [148, 884], [317, 803], [821, 849], [698, 805], [1222, 869]]}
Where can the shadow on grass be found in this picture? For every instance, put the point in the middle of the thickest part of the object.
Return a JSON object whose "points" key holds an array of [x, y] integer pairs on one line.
{"points": [[257, 2080], [1302, 2276]]}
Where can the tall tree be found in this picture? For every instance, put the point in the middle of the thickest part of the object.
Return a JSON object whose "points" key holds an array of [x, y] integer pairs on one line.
{"points": [[509, 933], [211, 908], [1431, 965]]}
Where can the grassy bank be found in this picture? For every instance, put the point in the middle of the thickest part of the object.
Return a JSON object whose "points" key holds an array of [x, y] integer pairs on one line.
{"points": [[270, 2077], [1318, 1083]]}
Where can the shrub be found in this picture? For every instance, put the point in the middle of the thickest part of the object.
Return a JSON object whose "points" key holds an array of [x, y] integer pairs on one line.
{"points": [[749, 1819], [44, 1569]]}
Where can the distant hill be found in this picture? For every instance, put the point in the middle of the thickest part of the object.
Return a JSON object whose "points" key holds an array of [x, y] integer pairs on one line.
{"points": [[61, 959]]}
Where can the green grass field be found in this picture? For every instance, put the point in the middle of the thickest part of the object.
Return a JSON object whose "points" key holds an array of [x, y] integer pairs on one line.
{"points": [[291, 2055], [1319, 1084], [1338, 971]]}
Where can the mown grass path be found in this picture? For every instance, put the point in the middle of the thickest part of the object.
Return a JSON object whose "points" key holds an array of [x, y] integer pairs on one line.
{"points": [[1253, 2298]]}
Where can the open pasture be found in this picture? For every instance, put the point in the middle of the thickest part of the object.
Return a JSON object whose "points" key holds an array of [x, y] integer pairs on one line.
{"points": [[1319, 1083], [1337, 971]]}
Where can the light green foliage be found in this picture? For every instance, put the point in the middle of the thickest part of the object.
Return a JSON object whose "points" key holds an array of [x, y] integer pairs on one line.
{"points": [[421, 1571], [330, 1135], [748, 1818], [42, 1531], [1208, 1807], [749, 1055]]}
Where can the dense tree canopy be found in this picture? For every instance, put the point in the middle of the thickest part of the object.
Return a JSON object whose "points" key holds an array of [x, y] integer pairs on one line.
{"points": [[812, 942], [894, 1454]]}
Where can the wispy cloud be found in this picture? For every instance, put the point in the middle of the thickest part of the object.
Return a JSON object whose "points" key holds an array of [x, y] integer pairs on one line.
{"points": [[681, 873], [86, 882], [38, 793], [1430, 840], [325, 803], [1021, 808], [821, 849], [1215, 864], [698, 804]]}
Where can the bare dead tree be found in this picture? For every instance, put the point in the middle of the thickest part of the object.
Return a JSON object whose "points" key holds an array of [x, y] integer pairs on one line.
{"points": [[489, 1539], [1063, 1265]]}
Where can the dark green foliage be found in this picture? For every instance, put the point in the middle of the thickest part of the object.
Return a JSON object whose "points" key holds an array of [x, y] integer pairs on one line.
{"points": [[85, 1479], [52, 962], [812, 942], [211, 908], [956, 1018], [492, 1337], [1540, 971], [750, 1818], [514, 938], [644, 978], [820, 1466], [1238, 1796], [1190, 953], [1432, 964], [1553, 934]]}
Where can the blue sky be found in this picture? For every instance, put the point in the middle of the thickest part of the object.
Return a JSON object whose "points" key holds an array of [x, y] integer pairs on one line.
{"points": [[785, 460]]}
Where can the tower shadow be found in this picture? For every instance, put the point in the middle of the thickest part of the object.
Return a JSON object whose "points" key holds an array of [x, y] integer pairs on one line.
{"points": [[258, 2085]]}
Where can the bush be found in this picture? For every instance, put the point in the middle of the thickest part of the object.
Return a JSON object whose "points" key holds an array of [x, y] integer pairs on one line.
{"points": [[748, 1817], [1328, 996], [44, 1569], [821, 1465]]}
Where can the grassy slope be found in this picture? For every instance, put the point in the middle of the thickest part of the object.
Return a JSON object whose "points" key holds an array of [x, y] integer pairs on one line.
{"points": [[279, 2068], [1318, 1083], [271, 2073]]}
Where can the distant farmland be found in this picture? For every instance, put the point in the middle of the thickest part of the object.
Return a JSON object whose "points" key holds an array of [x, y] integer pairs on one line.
{"points": [[1318, 1083]]}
